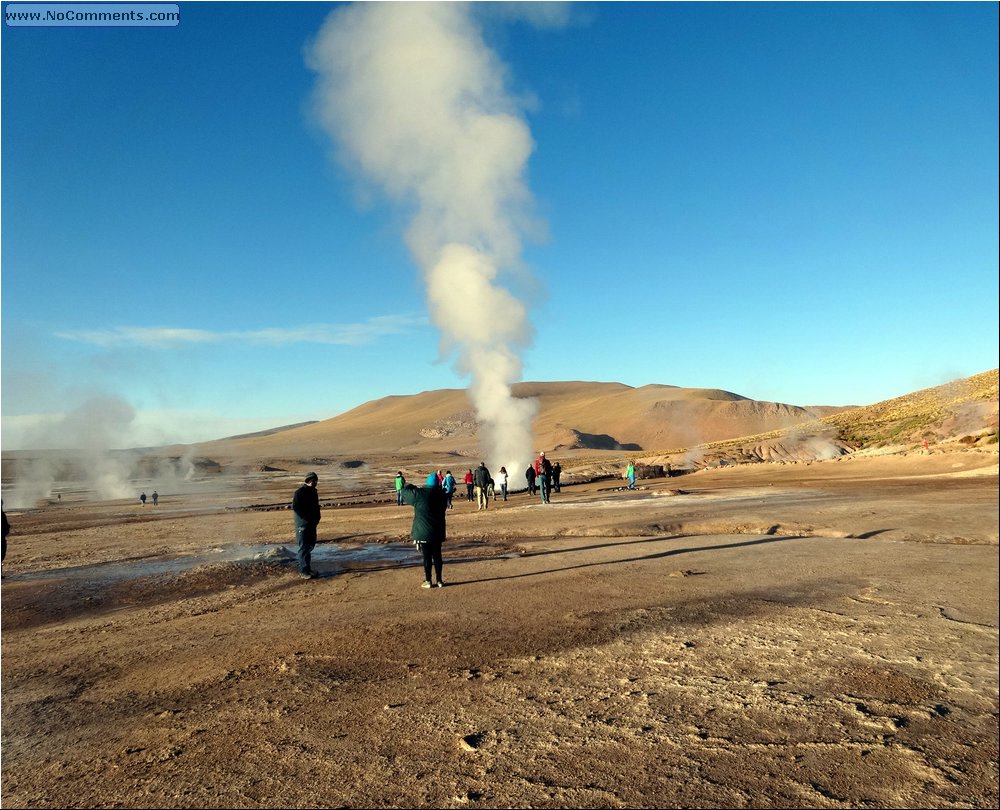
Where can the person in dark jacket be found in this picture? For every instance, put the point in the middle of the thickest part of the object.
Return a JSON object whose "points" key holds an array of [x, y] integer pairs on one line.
{"points": [[430, 507], [305, 505], [482, 478], [6, 531], [529, 476]]}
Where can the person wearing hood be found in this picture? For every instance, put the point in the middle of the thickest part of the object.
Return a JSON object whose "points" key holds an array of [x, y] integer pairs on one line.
{"points": [[430, 507], [449, 485]]}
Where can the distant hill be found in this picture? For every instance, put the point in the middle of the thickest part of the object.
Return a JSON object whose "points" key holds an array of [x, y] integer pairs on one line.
{"points": [[962, 412], [268, 432], [572, 418], [685, 426], [592, 426]]}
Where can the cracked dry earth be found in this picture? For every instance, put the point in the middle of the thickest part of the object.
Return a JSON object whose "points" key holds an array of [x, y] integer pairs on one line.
{"points": [[787, 636]]}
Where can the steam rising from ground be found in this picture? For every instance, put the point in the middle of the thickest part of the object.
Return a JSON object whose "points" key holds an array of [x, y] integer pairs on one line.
{"points": [[417, 103], [88, 462]]}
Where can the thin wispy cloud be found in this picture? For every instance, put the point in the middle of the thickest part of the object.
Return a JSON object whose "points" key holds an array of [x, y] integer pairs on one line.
{"points": [[350, 334]]}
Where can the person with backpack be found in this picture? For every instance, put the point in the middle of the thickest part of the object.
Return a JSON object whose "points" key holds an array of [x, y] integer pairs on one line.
{"points": [[449, 486], [430, 507]]}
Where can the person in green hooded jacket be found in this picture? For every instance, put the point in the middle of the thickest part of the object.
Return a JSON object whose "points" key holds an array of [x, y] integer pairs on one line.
{"points": [[400, 482], [430, 507]]}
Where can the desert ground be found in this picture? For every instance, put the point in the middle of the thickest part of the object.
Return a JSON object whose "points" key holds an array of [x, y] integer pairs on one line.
{"points": [[769, 635]]}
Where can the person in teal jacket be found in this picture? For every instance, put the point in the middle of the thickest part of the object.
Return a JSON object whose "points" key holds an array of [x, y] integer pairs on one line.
{"points": [[430, 507], [449, 486]]}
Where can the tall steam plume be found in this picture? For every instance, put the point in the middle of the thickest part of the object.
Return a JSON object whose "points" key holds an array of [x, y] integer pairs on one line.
{"points": [[417, 102]]}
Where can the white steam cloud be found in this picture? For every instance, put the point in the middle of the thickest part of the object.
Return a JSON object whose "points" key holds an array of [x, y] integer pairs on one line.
{"points": [[417, 103], [81, 453]]}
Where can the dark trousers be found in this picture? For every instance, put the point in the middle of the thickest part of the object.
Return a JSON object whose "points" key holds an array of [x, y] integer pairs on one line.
{"points": [[432, 556], [305, 536]]}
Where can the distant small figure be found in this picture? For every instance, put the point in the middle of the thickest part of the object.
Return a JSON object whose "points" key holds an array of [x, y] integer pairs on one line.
{"points": [[449, 486], [6, 531], [470, 482], [482, 480], [156, 497], [400, 483], [630, 475], [556, 472], [430, 508], [305, 505], [529, 476], [142, 499], [502, 481]]}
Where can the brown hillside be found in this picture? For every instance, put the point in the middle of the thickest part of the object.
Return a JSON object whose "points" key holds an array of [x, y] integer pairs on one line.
{"points": [[572, 417], [962, 412]]}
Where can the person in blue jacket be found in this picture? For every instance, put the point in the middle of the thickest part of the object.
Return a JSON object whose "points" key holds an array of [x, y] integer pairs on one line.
{"points": [[449, 487]]}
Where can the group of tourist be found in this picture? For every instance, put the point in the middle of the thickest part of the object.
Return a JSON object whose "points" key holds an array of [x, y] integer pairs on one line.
{"points": [[430, 503]]}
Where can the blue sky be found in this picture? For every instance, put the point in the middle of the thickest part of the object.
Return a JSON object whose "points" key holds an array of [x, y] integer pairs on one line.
{"points": [[793, 202]]}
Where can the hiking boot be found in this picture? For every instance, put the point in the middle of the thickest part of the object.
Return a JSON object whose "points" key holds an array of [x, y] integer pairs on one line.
{"points": [[427, 584]]}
